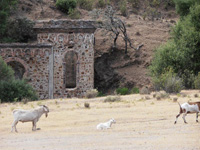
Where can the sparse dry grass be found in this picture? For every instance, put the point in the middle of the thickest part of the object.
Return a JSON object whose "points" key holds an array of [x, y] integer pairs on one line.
{"points": [[148, 122]]}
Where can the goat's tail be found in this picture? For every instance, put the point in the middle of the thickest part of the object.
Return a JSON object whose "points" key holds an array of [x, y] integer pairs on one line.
{"points": [[181, 111]]}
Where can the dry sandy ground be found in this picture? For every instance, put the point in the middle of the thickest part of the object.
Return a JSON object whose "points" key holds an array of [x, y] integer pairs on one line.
{"points": [[141, 124]]}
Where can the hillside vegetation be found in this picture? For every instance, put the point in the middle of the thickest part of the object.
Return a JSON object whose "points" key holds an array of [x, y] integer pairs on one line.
{"points": [[177, 63], [148, 22]]}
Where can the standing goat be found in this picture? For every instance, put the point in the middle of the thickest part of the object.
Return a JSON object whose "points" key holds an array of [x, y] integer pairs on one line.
{"points": [[187, 108], [29, 116], [105, 125]]}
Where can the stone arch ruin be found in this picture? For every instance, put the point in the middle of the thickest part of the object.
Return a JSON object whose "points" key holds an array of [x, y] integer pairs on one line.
{"points": [[61, 64]]}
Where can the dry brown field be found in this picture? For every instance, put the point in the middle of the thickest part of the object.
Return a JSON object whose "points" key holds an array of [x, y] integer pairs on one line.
{"points": [[140, 125]]}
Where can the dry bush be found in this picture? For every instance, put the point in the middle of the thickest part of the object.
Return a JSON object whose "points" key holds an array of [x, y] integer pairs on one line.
{"points": [[91, 93], [112, 99], [147, 98], [87, 105], [196, 95], [175, 99], [158, 98], [25, 101], [144, 90]]}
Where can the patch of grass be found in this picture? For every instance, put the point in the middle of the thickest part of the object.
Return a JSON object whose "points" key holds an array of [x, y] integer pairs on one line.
{"points": [[152, 103], [91, 93], [39, 103], [112, 99], [32, 106], [141, 100], [12, 108], [74, 14], [77, 105], [56, 102]]}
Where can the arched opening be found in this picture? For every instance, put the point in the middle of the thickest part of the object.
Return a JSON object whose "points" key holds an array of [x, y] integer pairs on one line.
{"points": [[18, 68], [70, 69]]}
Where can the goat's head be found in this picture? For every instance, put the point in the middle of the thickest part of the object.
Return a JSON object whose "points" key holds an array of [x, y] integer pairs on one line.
{"points": [[46, 110], [113, 120]]}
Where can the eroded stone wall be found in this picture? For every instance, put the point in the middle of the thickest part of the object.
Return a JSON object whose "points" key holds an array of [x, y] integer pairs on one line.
{"points": [[35, 59], [45, 64], [82, 45]]}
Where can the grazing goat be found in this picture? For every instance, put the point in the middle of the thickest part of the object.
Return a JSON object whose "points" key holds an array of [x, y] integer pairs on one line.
{"points": [[105, 125], [187, 108], [29, 116]]}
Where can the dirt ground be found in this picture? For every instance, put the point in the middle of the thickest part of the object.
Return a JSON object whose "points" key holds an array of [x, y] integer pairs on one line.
{"points": [[140, 124]]}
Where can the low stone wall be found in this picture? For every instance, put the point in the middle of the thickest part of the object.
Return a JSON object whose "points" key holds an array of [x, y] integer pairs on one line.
{"points": [[36, 61]]}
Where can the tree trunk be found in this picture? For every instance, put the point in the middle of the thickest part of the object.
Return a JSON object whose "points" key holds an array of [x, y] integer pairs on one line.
{"points": [[115, 40]]}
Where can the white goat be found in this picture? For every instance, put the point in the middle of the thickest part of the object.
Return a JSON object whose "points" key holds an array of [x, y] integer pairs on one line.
{"points": [[29, 116], [187, 108], [105, 125]]}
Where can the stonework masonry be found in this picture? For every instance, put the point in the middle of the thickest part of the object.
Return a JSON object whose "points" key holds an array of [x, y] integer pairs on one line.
{"points": [[45, 63]]}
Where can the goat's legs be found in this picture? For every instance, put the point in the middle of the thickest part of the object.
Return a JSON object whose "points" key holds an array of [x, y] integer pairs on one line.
{"points": [[197, 117], [14, 126], [34, 126], [177, 118], [184, 117]]}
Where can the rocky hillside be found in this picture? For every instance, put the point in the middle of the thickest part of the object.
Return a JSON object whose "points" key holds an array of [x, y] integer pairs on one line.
{"points": [[148, 25]]}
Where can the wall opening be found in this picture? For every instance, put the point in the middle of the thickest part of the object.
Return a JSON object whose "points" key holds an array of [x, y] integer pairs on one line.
{"points": [[18, 68], [70, 69]]}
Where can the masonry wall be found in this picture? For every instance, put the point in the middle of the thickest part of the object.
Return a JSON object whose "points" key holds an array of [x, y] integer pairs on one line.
{"points": [[36, 61], [82, 44]]}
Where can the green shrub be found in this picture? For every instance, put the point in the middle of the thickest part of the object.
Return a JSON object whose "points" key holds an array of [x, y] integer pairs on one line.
{"points": [[188, 78], [66, 5], [5, 7], [134, 3], [102, 3], [74, 14], [20, 30], [16, 90], [168, 81], [85, 4], [195, 16], [100, 94], [122, 91], [183, 6], [6, 72], [135, 90], [123, 8], [197, 81]]}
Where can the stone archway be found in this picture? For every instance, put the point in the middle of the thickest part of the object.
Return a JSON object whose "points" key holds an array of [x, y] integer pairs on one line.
{"points": [[18, 66], [70, 72]]}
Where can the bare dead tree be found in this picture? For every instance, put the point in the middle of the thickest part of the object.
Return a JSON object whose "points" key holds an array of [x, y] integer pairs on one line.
{"points": [[114, 25]]}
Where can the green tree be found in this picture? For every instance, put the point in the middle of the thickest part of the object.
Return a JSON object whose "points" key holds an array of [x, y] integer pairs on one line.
{"points": [[182, 52], [5, 8], [6, 72]]}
